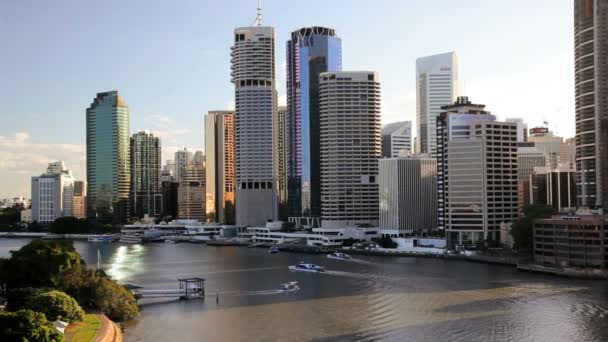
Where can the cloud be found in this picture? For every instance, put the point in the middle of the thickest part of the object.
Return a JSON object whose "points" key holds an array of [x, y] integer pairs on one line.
{"points": [[164, 126], [20, 159]]}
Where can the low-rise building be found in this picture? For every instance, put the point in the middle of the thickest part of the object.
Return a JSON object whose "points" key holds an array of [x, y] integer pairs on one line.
{"points": [[572, 241], [272, 233]]}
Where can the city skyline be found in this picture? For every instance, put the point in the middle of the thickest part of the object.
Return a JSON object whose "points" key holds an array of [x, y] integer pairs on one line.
{"points": [[195, 67]]}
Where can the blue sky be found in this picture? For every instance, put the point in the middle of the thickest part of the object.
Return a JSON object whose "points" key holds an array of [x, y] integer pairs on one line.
{"points": [[170, 61]]}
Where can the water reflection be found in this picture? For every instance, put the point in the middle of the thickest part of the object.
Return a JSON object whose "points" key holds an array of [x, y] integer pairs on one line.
{"points": [[126, 262]]}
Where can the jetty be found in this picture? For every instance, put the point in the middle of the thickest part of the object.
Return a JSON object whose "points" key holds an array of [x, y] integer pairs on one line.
{"points": [[189, 288]]}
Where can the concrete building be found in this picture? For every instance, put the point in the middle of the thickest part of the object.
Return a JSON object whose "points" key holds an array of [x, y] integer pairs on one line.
{"points": [[548, 143], [170, 192], [567, 156], [146, 196], [108, 166], [310, 51], [26, 216], [528, 157], [281, 163], [572, 241], [476, 173], [591, 105], [253, 76], [552, 187], [52, 194], [397, 139], [408, 194], [80, 200], [182, 159], [350, 148], [220, 166], [436, 86], [191, 193], [522, 129]]}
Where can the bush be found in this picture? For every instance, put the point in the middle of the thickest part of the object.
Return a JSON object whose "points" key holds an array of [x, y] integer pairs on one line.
{"points": [[69, 225], [27, 326], [387, 242], [18, 299], [56, 305], [522, 230]]}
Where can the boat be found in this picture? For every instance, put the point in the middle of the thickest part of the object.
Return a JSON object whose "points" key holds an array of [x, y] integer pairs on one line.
{"points": [[170, 241], [274, 250], [307, 268], [290, 286], [339, 256], [100, 238], [134, 238]]}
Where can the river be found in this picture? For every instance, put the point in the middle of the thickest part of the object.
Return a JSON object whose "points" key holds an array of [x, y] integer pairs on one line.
{"points": [[370, 298]]}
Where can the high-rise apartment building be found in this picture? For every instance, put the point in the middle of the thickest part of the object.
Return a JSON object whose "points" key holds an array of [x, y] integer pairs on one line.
{"points": [[397, 139], [350, 148], [408, 194], [191, 193], [108, 165], [476, 173], [436, 86], [182, 159], [253, 76], [220, 166], [591, 101], [146, 195], [80, 200], [310, 51], [281, 162], [52, 194]]}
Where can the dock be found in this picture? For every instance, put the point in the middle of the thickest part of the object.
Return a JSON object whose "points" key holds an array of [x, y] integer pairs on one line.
{"points": [[189, 288]]}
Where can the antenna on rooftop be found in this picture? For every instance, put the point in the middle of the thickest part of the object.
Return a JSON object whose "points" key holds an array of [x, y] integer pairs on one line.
{"points": [[258, 17]]}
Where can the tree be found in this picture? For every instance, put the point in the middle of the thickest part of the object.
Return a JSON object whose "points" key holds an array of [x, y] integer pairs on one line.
{"points": [[56, 305], [27, 326], [39, 264], [387, 242], [18, 299], [69, 225], [522, 230]]}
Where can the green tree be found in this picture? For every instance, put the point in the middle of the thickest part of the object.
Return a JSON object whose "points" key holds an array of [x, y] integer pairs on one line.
{"points": [[39, 263], [27, 326], [69, 225], [522, 230], [387, 242], [18, 299], [56, 305]]}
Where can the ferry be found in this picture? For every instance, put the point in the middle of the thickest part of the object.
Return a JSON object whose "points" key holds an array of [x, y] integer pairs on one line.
{"points": [[274, 250], [290, 286], [339, 256], [106, 238], [302, 267], [131, 238]]}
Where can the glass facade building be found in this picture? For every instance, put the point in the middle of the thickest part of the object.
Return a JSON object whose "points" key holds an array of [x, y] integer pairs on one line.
{"points": [[310, 51], [108, 158], [146, 197]]}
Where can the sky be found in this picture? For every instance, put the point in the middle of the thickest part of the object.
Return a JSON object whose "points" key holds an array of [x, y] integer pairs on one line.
{"points": [[170, 61]]}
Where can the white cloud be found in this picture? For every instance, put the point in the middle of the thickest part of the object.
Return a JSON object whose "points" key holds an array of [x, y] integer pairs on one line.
{"points": [[20, 159]]}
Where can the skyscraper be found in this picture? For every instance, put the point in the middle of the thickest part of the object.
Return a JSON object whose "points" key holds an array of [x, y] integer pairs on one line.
{"points": [[191, 193], [108, 166], [146, 196], [310, 51], [397, 139], [253, 76], [350, 148], [220, 169], [281, 162], [476, 173], [436, 86], [53, 194], [80, 200], [182, 159], [591, 105]]}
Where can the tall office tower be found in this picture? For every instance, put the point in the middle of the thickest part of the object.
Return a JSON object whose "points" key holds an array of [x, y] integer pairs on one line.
{"points": [[52, 194], [80, 200], [146, 196], [170, 192], [220, 167], [310, 51], [408, 194], [546, 142], [350, 148], [199, 157], [108, 165], [591, 105], [191, 193], [253, 75], [528, 157], [397, 139], [281, 164], [567, 157], [552, 187], [436, 86], [182, 159], [522, 129], [476, 173]]}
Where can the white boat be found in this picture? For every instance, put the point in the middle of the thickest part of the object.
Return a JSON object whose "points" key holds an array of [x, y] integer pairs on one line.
{"points": [[290, 286], [339, 256], [131, 238], [101, 238], [274, 250], [170, 241], [307, 268]]}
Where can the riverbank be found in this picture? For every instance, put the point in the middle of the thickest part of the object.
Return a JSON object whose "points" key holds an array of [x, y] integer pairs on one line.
{"points": [[94, 328]]}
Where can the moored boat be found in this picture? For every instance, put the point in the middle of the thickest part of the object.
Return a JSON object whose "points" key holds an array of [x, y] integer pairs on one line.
{"points": [[104, 238], [273, 250], [303, 267]]}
